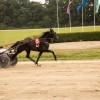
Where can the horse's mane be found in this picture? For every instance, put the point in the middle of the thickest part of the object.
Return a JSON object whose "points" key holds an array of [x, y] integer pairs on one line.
{"points": [[28, 38], [44, 34]]}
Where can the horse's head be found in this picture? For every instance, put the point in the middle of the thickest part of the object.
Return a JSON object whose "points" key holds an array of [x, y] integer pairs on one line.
{"points": [[49, 35], [53, 34]]}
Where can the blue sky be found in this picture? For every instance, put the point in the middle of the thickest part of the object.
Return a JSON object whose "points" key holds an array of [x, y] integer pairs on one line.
{"points": [[42, 1]]}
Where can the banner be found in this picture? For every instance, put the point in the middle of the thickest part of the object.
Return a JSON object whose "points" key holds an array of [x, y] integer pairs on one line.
{"points": [[96, 5], [80, 6], [68, 8]]}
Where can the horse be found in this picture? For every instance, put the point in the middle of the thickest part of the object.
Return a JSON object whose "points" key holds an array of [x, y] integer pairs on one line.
{"points": [[29, 45]]}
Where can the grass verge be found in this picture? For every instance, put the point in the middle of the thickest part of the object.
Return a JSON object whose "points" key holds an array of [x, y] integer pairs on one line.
{"points": [[87, 54]]}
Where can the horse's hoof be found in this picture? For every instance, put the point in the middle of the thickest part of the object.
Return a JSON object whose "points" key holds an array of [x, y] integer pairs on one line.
{"points": [[38, 65], [35, 62], [55, 59]]}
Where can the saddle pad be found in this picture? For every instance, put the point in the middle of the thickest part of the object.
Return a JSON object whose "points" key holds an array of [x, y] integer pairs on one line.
{"points": [[37, 42]]}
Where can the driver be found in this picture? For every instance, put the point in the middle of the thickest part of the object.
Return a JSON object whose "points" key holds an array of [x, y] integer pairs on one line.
{"points": [[51, 30]]}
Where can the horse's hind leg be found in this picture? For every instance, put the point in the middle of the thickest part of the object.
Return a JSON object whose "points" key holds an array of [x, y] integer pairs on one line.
{"points": [[28, 56], [13, 56], [40, 53], [52, 53], [18, 52]]}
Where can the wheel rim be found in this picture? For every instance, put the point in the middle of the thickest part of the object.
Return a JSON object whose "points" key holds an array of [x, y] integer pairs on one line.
{"points": [[4, 61]]}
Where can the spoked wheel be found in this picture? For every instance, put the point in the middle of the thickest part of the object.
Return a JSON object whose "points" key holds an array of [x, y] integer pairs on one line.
{"points": [[4, 61], [14, 61]]}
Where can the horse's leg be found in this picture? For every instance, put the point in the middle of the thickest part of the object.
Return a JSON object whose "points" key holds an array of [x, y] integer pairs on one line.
{"points": [[13, 56], [40, 53], [52, 53], [28, 55]]}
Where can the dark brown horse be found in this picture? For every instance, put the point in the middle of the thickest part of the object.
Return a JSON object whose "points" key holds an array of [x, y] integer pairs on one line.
{"points": [[29, 45]]}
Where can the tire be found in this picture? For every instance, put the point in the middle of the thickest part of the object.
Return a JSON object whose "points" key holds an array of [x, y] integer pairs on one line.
{"points": [[4, 61], [14, 61]]}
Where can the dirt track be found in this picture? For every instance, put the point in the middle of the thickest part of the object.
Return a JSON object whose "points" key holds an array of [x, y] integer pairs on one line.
{"points": [[61, 80], [76, 45]]}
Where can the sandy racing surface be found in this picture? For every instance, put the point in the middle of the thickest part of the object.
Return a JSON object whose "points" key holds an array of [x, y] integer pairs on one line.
{"points": [[76, 45], [61, 80]]}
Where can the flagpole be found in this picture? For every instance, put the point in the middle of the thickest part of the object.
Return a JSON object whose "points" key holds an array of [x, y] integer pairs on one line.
{"points": [[57, 16], [78, 8], [94, 14], [82, 20], [70, 19], [70, 22]]}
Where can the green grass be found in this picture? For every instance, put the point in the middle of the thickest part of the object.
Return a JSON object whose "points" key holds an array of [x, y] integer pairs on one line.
{"points": [[65, 55]]}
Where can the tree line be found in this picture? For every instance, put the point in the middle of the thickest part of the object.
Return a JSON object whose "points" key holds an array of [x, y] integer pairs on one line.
{"points": [[26, 14]]}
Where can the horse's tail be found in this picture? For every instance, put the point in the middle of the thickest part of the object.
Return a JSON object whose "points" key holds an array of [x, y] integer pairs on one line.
{"points": [[15, 45]]}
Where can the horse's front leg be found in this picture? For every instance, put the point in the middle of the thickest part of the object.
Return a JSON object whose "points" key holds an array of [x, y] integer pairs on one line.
{"points": [[40, 53], [28, 56], [52, 53]]}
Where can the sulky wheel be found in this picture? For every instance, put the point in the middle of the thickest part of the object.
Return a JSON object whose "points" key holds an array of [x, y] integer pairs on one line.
{"points": [[14, 61], [4, 61]]}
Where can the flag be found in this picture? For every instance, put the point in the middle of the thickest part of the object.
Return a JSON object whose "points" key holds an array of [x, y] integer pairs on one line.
{"points": [[80, 6], [68, 8], [96, 5]]}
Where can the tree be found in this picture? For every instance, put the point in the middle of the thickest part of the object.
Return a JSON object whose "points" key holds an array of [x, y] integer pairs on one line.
{"points": [[23, 1], [22, 13], [51, 11]]}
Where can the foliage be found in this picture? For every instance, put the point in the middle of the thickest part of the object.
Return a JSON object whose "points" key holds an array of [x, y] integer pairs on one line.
{"points": [[26, 14], [73, 37]]}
